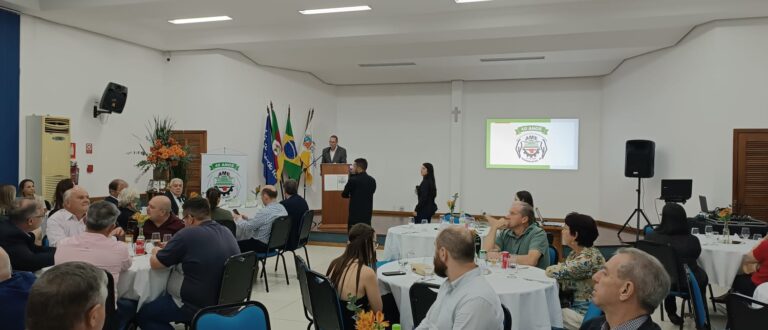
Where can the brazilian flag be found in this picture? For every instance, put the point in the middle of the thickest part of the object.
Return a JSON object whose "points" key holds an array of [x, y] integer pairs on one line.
{"points": [[291, 163]]}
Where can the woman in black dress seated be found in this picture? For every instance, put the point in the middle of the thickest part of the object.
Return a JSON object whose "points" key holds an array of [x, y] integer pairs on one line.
{"points": [[674, 231], [352, 275]]}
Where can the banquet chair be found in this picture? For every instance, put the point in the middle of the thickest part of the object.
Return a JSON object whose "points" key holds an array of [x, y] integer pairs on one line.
{"points": [[303, 239], [237, 280], [243, 315], [745, 313], [278, 237], [507, 317], [668, 258], [301, 272], [422, 297], [230, 225], [700, 312], [326, 309]]}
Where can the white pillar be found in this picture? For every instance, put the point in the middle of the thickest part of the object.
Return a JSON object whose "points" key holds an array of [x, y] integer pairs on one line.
{"points": [[456, 143]]}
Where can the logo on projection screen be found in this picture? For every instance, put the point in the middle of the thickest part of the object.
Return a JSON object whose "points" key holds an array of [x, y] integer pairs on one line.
{"points": [[531, 145]]}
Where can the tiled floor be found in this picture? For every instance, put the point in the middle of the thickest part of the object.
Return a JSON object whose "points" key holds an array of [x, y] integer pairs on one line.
{"points": [[284, 301]]}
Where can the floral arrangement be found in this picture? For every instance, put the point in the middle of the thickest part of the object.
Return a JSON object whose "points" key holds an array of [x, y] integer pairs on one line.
{"points": [[140, 220], [366, 320], [452, 202], [164, 151], [725, 214]]}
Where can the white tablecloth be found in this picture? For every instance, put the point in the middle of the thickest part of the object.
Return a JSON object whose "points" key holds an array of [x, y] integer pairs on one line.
{"points": [[533, 304], [417, 238], [141, 282], [722, 262]]}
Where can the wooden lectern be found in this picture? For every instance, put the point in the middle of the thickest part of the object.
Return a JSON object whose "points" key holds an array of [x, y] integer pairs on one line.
{"points": [[335, 208]]}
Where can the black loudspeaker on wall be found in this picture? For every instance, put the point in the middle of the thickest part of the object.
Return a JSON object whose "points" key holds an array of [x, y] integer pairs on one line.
{"points": [[114, 97], [639, 159]]}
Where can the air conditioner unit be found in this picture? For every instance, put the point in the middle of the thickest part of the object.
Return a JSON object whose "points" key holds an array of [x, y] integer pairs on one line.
{"points": [[48, 146]]}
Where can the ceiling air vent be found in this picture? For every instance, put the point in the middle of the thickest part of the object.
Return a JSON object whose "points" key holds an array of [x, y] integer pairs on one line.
{"points": [[377, 65], [506, 59]]}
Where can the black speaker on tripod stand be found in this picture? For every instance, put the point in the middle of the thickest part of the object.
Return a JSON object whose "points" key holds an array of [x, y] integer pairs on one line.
{"points": [[638, 163]]}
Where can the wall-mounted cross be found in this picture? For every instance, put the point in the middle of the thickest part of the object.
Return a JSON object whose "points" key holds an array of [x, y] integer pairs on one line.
{"points": [[455, 114]]}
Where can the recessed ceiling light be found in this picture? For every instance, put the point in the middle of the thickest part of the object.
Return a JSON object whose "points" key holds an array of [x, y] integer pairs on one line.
{"points": [[377, 65], [334, 10], [468, 1], [505, 59], [200, 20]]}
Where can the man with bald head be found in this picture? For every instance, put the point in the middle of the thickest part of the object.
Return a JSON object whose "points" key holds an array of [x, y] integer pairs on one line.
{"points": [[161, 219], [14, 291], [253, 234], [466, 299], [69, 221]]}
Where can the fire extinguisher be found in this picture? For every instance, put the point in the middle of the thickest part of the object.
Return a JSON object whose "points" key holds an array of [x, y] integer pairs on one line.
{"points": [[74, 171]]}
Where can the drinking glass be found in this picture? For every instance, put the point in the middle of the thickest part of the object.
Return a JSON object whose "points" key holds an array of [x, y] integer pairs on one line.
{"points": [[708, 230], [757, 237], [493, 257], [167, 238], [513, 263], [429, 269], [694, 231], [155, 237], [744, 233], [424, 221], [403, 261]]}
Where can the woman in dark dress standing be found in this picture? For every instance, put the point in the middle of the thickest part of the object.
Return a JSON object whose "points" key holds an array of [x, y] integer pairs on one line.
{"points": [[427, 192], [675, 232]]}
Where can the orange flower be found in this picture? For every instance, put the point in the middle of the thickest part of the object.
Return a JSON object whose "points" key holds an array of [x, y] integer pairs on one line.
{"points": [[370, 321]]}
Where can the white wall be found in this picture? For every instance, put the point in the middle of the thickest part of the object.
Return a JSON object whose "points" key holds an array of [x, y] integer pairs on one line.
{"points": [[396, 128], [64, 69], [555, 192], [687, 99]]}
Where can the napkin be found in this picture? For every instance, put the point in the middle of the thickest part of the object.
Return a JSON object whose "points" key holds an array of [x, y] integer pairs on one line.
{"points": [[418, 268]]}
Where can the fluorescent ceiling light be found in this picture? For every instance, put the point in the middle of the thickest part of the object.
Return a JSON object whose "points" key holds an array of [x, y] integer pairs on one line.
{"points": [[468, 1], [334, 10], [376, 65], [200, 20]]}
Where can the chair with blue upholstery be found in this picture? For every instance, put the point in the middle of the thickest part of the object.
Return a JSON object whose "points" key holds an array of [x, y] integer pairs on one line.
{"points": [[700, 312], [668, 258], [592, 312], [554, 257], [245, 315], [303, 239]]}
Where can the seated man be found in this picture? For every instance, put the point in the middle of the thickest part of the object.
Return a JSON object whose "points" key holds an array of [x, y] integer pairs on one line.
{"points": [[20, 246], [628, 289], [96, 245], [115, 187], [465, 300], [14, 291], [519, 235], [296, 206], [175, 195], [161, 219], [201, 251], [70, 220], [253, 234], [84, 289]]}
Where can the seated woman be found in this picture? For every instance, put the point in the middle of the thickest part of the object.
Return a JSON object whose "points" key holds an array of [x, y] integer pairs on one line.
{"points": [[674, 231], [524, 196], [214, 196], [755, 266], [27, 190], [126, 203], [352, 275], [575, 274]]}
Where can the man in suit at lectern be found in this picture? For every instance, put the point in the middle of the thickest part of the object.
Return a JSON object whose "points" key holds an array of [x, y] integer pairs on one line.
{"points": [[334, 153], [359, 190]]}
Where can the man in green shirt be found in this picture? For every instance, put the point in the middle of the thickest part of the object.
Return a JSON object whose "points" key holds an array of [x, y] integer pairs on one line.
{"points": [[518, 234]]}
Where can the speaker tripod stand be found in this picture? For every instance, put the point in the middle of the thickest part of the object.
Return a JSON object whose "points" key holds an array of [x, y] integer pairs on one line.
{"points": [[637, 213]]}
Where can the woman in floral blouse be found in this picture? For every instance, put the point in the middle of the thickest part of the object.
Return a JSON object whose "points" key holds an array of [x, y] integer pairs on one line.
{"points": [[575, 274]]}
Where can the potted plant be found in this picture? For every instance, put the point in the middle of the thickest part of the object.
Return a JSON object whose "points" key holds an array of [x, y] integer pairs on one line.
{"points": [[163, 155]]}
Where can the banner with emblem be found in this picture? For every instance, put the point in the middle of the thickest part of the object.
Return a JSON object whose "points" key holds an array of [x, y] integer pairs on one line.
{"points": [[532, 143], [228, 174]]}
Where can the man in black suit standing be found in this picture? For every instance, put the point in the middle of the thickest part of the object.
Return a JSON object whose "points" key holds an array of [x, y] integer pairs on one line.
{"points": [[174, 193], [334, 153], [360, 189], [296, 207], [115, 187]]}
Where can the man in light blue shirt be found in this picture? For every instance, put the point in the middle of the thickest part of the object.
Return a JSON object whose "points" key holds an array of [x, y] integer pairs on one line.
{"points": [[253, 234], [465, 300]]}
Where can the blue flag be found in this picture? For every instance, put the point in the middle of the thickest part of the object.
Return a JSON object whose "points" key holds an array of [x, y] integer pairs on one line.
{"points": [[268, 156]]}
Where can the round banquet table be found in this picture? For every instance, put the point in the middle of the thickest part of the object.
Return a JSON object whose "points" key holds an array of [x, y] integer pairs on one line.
{"points": [[416, 238], [722, 262], [530, 296], [141, 282]]}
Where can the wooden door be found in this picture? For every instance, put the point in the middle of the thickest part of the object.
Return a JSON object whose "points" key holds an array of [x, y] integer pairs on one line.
{"points": [[750, 173], [197, 141]]}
